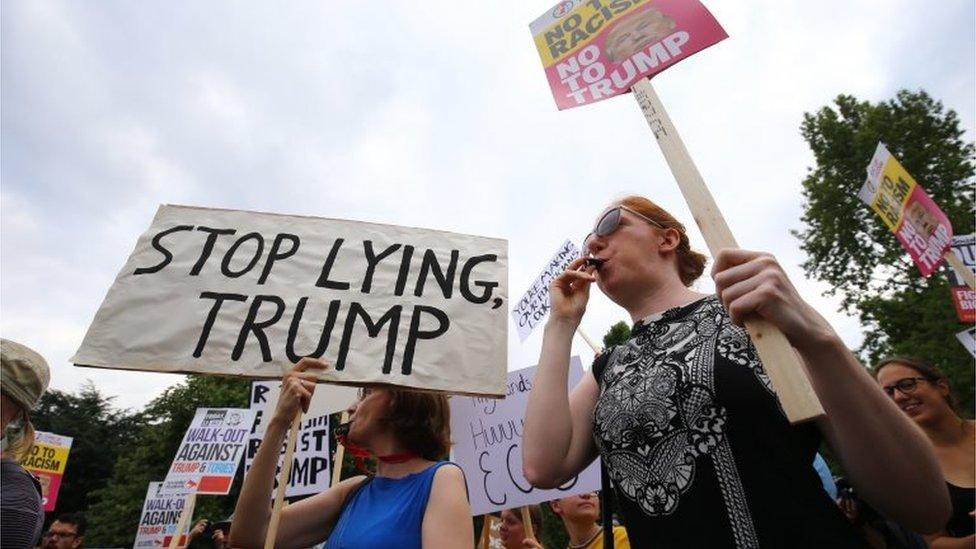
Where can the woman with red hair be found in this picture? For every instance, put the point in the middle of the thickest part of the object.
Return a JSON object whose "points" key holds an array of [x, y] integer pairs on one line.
{"points": [[683, 414]]}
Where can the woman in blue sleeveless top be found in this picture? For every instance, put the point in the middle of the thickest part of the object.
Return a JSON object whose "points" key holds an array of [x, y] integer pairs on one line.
{"points": [[412, 501]]}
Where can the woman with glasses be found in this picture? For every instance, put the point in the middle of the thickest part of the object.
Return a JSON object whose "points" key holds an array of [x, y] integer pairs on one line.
{"points": [[683, 415], [413, 500], [923, 393]]}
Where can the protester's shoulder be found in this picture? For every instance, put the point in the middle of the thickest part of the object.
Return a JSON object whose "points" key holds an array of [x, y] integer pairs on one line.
{"points": [[600, 362], [350, 485], [448, 472], [18, 483], [620, 539]]}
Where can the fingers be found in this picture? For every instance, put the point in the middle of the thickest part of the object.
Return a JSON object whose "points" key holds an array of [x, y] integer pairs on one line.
{"points": [[298, 385], [730, 257], [299, 388], [732, 265], [748, 295], [569, 277], [308, 362], [746, 280]]}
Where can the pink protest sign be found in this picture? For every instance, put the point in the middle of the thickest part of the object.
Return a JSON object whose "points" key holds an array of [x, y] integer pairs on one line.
{"points": [[595, 49], [904, 206]]}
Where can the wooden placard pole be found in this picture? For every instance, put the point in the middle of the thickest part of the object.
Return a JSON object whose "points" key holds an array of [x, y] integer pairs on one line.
{"points": [[279, 501], [484, 541], [340, 453], [185, 515], [589, 341], [965, 272], [527, 522], [786, 373]]}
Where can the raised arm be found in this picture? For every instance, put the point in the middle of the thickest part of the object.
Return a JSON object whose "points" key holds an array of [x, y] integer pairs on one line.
{"points": [[885, 455], [558, 441], [305, 522]]}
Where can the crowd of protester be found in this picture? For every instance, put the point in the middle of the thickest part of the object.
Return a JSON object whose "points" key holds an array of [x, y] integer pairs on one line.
{"points": [[682, 415]]}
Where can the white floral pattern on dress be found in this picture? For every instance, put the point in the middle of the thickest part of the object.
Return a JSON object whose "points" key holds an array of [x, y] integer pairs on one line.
{"points": [[657, 415]]}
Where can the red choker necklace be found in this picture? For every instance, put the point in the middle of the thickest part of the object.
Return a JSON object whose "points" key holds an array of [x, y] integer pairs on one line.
{"points": [[360, 453]]}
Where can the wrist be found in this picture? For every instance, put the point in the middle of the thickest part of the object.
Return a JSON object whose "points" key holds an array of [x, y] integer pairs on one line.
{"points": [[820, 342], [279, 421], [560, 324]]}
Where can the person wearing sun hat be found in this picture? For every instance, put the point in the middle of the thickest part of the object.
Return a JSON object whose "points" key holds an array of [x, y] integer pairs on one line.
{"points": [[24, 376]]}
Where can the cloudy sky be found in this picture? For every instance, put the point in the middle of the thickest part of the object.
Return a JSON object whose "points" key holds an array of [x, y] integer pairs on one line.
{"points": [[428, 114]]}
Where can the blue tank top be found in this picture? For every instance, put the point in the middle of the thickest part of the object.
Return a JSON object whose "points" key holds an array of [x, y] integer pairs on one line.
{"points": [[385, 512]]}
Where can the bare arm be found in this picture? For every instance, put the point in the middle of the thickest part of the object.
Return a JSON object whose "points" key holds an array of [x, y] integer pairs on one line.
{"points": [[310, 519], [943, 541], [875, 442], [447, 520], [558, 436]]}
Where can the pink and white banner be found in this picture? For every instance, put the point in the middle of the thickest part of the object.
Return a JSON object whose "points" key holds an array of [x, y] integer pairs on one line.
{"points": [[595, 49]]}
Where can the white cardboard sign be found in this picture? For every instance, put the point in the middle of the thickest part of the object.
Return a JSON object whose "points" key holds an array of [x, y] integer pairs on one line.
{"points": [[159, 519], [533, 308], [964, 246], [212, 447], [487, 437], [968, 339], [310, 471], [245, 293]]}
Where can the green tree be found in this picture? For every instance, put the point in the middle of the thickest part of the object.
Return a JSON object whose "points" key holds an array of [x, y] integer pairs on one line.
{"points": [[114, 515], [851, 249], [99, 434], [617, 334]]}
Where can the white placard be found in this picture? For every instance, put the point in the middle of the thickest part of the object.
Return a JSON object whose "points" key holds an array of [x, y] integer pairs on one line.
{"points": [[533, 308], [159, 518], [487, 436], [968, 339], [247, 293], [212, 448], [964, 246], [310, 471]]}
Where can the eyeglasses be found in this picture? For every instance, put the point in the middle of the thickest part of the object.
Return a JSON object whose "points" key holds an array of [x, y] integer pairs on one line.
{"points": [[59, 535], [365, 392], [609, 222], [906, 386]]}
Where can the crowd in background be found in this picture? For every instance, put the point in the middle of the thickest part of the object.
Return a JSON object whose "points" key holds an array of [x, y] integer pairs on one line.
{"points": [[682, 415]]}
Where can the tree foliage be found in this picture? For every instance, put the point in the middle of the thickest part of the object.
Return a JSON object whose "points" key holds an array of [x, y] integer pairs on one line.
{"points": [[114, 513], [851, 249], [100, 433], [617, 334]]}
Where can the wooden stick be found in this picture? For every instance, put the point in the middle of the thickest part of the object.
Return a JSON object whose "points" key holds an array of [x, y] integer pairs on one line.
{"points": [[340, 453], [782, 364], [964, 271], [282, 483], [527, 522], [590, 342], [485, 539], [185, 515]]}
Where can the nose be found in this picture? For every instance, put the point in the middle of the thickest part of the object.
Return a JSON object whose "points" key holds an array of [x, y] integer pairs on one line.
{"points": [[594, 244], [352, 407]]}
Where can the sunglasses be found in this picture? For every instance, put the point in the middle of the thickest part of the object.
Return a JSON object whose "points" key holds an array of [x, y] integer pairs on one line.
{"points": [[906, 386], [609, 222]]}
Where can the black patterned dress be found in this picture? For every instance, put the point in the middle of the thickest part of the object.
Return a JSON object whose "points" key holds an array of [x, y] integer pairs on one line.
{"points": [[697, 447]]}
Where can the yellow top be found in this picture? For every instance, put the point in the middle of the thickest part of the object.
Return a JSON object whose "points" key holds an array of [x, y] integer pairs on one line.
{"points": [[620, 540]]}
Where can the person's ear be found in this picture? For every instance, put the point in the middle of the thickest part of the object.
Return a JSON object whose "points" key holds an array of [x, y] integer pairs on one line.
{"points": [[669, 239]]}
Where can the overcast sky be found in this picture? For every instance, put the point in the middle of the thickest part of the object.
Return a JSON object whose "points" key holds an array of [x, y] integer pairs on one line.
{"points": [[428, 114]]}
